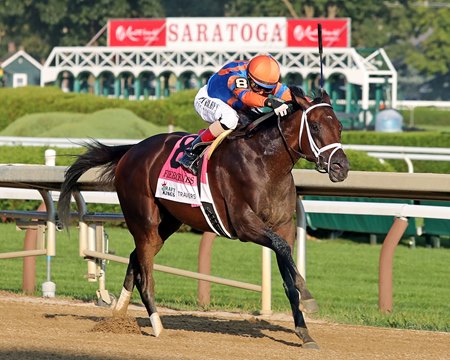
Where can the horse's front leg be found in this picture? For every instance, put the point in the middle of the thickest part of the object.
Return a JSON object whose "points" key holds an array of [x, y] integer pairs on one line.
{"points": [[291, 283], [307, 303]]}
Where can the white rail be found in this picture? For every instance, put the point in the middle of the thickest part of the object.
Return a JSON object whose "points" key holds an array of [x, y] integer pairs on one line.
{"points": [[308, 182], [406, 153]]}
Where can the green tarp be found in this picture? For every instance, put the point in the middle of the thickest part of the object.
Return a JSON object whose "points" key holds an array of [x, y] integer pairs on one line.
{"points": [[436, 227], [375, 224]]}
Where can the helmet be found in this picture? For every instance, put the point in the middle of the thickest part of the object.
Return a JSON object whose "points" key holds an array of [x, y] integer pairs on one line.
{"points": [[264, 71]]}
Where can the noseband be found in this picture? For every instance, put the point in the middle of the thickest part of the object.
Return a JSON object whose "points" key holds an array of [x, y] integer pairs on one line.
{"points": [[314, 148]]}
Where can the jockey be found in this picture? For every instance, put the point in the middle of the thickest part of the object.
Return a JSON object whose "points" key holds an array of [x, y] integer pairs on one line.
{"points": [[237, 86]]}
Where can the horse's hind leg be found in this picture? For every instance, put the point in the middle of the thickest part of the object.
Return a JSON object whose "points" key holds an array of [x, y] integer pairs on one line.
{"points": [[166, 228], [128, 285], [149, 228], [146, 249]]}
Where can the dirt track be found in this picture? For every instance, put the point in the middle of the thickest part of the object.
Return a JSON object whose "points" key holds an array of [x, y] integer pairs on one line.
{"points": [[34, 328]]}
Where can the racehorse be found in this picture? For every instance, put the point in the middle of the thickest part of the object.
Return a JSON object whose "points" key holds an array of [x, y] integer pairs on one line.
{"points": [[252, 187]]}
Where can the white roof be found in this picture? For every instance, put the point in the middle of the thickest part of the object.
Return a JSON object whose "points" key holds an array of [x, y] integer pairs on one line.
{"points": [[28, 57]]}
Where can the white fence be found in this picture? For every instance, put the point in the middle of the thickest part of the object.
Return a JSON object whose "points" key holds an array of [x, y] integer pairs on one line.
{"points": [[408, 154], [308, 182]]}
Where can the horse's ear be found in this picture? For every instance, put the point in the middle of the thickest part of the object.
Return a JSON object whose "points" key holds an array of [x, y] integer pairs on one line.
{"points": [[325, 97], [297, 91], [298, 95]]}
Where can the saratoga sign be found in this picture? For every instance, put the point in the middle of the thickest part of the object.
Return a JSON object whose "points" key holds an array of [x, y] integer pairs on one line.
{"points": [[228, 34]]}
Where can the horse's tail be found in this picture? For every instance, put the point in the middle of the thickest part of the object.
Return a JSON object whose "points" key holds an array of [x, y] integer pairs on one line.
{"points": [[97, 155]]}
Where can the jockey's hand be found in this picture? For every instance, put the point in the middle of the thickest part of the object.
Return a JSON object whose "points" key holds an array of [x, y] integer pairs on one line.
{"points": [[279, 107]]}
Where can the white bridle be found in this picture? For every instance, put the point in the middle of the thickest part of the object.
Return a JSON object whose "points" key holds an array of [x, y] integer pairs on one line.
{"points": [[314, 148]]}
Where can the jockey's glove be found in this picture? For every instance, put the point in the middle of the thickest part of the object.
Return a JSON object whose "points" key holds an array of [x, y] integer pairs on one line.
{"points": [[279, 107]]}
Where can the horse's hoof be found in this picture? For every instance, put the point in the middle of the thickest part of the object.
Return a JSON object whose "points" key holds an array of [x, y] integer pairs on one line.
{"points": [[156, 324], [309, 306], [308, 342], [311, 345]]}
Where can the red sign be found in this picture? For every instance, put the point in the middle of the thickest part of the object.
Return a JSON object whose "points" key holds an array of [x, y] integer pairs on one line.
{"points": [[228, 34], [137, 32], [303, 33]]}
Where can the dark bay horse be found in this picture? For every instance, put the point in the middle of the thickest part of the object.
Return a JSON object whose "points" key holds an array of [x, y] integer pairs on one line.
{"points": [[251, 183]]}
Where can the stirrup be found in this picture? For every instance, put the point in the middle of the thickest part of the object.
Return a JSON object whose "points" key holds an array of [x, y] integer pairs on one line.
{"points": [[188, 161]]}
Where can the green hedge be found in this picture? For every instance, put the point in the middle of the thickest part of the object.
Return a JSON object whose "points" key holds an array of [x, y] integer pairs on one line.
{"points": [[418, 139], [178, 109], [427, 116], [36, 155], [413, 138]]}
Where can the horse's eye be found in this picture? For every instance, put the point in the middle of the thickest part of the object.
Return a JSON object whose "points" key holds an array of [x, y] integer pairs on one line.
{"points": [[314, 127]]}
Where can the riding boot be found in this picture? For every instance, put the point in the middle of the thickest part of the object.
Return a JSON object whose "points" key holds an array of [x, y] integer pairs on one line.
{"points": [[191, 154]]}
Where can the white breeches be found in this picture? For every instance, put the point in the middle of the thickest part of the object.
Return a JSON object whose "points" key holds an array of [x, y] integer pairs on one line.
{"points": [[212, 109]]}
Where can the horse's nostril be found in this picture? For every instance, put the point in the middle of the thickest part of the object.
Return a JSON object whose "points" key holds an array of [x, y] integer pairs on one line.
{"points": [[336, 166]]}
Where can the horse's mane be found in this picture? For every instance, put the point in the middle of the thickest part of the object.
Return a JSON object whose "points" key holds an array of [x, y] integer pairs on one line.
{"points": [[248, 117]]}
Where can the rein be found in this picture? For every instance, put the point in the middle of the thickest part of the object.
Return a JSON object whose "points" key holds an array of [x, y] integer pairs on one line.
{"points": [[303, 124]]}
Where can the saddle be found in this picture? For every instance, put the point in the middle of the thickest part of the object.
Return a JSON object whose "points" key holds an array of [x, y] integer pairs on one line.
{"points": [[177, 184]]}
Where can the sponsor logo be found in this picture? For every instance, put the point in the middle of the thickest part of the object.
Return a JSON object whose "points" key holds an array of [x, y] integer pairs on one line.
{"points": [[309, 33], [167, 190], [180, 177], [141, 35], [137, 32], [303, 32], [186, 195], [207, 103]]}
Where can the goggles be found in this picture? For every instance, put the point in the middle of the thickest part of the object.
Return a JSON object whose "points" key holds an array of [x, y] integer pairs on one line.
{"points": [[258, 88]]}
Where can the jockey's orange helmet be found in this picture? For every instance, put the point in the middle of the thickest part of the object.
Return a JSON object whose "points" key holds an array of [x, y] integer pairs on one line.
{"points": [[264, 70]]}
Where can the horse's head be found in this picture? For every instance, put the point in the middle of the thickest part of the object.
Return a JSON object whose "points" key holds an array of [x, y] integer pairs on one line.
{"points": [[320, 136]]}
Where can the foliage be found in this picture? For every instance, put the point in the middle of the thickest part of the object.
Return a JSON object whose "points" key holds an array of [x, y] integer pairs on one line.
{"points": [[427, 116], [177, 110], [415, 35], [41, 25], [413, 138], [35, 155], [431, 33], [102, 124], [417, 138]]}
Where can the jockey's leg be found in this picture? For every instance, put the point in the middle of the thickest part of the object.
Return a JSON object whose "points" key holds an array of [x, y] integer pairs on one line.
{"points": [[216, 112], [195, 148]]}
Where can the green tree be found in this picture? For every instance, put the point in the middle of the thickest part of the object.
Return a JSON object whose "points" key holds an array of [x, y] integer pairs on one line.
{"points": [[430, 38], [184, 8], [39, 25]]}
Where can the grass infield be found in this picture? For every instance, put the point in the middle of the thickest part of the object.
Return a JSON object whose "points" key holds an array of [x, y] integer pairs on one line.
{"points": [[341, 274]]}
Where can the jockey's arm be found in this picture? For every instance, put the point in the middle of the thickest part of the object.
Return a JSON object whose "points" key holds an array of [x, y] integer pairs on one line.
{"points": [[241, 89], [282, 92]]}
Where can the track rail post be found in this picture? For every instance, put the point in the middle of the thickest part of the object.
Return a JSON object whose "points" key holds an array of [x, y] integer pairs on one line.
{"points": [[386, 261]]}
